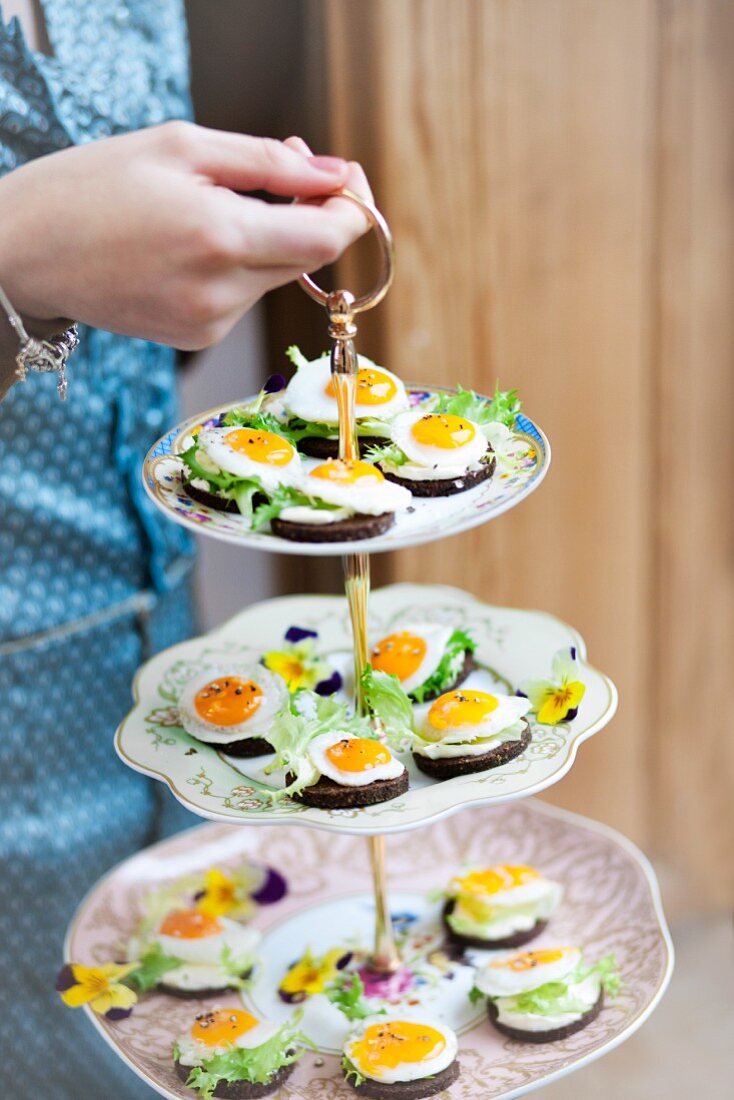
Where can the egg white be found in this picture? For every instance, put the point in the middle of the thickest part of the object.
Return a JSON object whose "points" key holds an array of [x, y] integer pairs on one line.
{"points": [[448, 462], [502, 724], [366, 496], [436, 638], [305, 395], [240, 939], [193, 1052], [274, 698], [585, 992], [502, 982], [404, 1071], [212, 441], [319, 759]]}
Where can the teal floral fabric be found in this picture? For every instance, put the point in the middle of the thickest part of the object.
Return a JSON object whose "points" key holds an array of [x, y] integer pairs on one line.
{"points": [[91, 580]]}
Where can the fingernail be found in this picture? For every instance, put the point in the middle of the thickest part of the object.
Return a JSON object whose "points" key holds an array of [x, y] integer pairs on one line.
{"points": [[333, 165]]}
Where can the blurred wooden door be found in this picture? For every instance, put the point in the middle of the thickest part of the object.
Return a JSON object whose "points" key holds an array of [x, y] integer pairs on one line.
{"points": [[557, 174]]}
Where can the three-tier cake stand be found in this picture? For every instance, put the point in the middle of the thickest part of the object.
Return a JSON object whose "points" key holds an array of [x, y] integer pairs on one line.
{"points": [[611, 899]]}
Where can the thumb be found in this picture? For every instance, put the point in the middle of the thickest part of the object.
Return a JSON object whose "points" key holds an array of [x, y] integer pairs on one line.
{"points": [[245, 163]]}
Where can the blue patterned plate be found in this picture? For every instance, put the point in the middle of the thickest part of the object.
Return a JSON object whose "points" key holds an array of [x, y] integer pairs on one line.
{"points": [[524, 467]]}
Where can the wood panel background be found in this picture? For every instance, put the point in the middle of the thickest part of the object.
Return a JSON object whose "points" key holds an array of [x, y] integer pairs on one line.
{"points": [[558, 176]]}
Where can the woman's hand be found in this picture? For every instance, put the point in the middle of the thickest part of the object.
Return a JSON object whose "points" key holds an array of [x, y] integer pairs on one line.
{"points": [[144, 235]]}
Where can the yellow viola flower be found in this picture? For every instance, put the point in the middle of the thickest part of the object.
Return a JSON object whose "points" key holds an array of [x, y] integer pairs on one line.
{"points": [[557, 700], [311, 975], [100, 987], [299, 666], [225, 896]]}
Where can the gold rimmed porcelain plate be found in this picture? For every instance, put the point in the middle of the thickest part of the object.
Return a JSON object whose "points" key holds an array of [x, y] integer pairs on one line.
{"points": [[610, 905], [524, 467], [512, 645]]}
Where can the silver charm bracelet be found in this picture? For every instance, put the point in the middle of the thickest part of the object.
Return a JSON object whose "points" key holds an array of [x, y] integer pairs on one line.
{"points": [[40, 355]]}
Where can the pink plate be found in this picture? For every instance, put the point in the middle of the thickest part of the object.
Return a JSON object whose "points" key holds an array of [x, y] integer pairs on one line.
{"points": [[611, 904]]}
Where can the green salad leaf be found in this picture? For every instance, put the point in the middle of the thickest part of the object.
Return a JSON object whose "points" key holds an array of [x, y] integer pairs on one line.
{"points": [[351, 1071], [152, 966], [292, 732], [459, 644], [386, 699], [476, 995], [257, 1065], [503, 407], [236, 966], [389, 453], [556, 998], [346, 992]]}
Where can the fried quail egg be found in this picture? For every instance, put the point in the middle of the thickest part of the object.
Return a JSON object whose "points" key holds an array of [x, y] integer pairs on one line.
{"points": [[353, 761], [465, 716], [412, 654], [509, 975], [223, 704], [219, 1030], [395, 1048], [311, 395], [506, 885], [356, 485], [246, 452], [439, 441], [196, 937]]}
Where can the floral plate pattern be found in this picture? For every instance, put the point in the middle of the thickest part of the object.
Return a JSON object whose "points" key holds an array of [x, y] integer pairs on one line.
{"points": [[611, 904], [429, 518], [512, 645]]}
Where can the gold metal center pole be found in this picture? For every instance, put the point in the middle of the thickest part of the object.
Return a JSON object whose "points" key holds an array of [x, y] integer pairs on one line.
{"points": [[344, 369]]}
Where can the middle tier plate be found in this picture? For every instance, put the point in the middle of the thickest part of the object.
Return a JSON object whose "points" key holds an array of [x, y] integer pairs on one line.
{"points": [[512, 645]]}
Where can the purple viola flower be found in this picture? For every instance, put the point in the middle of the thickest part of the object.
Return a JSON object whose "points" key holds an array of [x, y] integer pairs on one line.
{"points": [[64, 979], [299, 633], [328, 687], [273, 888], [274, 383], [118, 1014]]}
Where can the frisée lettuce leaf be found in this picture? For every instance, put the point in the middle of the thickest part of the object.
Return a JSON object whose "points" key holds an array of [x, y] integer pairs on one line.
{"points": [[257, 1065]]}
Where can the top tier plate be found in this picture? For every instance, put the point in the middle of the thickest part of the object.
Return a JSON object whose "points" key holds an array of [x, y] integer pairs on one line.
{"points": [[432, 518]]}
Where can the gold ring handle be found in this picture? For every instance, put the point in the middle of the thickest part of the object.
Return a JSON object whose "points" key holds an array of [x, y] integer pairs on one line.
{"points": [[378, 223]]}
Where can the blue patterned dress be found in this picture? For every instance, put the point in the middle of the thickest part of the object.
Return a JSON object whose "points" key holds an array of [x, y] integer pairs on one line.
{"points": [[91, 581]]}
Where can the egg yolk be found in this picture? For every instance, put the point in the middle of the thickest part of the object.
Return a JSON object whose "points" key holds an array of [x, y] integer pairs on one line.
{"points": [[399, 654], [345, 472], [374, 387], [357, 754], [264, 447], [446, 432], [527, 960], [461, 708], [386, 1046], [494, 879], [228, 701], [222, 1026], [190, 924]]}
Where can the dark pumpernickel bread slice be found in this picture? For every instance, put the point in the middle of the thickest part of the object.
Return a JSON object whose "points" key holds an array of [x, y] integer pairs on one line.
{"points": [[545, 1036], [197, 994], [328, 795], [470, 665], [444, 487], [408, 1090], [210, 500], [243, 1090], [344, 530], [321, 446], [465, 765], [248, 746], [517, 939]]}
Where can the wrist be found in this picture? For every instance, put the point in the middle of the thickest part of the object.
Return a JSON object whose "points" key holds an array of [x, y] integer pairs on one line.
{"points": [[18, 240]]}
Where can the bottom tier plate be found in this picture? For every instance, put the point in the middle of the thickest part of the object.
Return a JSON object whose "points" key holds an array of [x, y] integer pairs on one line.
{"points": [[611, 904]]}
